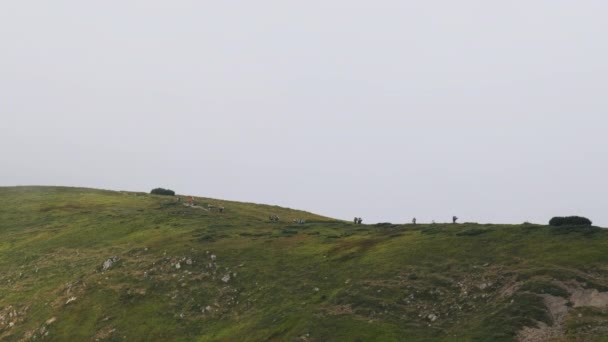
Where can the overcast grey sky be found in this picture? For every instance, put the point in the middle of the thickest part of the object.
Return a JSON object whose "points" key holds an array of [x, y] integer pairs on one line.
{"points": [[494, 111]]}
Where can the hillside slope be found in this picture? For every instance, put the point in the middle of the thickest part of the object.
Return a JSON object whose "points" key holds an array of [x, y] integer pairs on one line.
{"points": [[83, 264]]}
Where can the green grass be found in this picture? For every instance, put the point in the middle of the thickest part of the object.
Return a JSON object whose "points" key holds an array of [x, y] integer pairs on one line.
{"points": [[325, 280]]}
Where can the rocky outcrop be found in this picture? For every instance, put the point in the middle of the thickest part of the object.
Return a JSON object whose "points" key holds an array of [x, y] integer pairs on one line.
{"points": [[109, 263]]}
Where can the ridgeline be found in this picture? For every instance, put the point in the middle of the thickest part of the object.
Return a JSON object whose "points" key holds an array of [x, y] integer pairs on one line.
{"points": [[86, 265]]}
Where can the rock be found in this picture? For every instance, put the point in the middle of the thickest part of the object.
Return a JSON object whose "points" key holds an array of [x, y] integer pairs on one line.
{"points": [[178, 266], [316, 289], [108, 263], [50, 320], [432, 317], [213, 257], [71, 299], [188, 261], [226, 278]]}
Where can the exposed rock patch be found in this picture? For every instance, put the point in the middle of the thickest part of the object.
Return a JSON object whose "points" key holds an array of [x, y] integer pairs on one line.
{"points": [[10, 316], [108, 263], [558, 309], [589, 297], [226, 278]]}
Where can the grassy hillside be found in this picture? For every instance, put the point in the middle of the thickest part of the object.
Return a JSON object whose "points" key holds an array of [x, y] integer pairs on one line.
{"points": [[189, 274]]}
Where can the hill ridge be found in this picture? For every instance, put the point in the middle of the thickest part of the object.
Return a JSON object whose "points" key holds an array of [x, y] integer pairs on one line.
{"points": [[88, 264]]}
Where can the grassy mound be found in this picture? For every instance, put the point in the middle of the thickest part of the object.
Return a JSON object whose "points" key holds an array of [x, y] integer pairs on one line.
{"points": [[83, 264]]}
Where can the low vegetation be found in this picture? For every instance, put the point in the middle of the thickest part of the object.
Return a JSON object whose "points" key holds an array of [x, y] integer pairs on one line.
{"points": [[569, 221], [161, 191], [82, 264]]}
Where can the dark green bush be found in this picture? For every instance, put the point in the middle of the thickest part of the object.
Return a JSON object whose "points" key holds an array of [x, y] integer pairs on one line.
{"points": [[161, 191], [569, 221]]}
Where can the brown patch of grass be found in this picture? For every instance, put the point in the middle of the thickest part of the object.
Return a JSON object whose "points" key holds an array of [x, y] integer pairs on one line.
{"points": [[336, 310], [63, 207], [104, 333], [354, 245]]}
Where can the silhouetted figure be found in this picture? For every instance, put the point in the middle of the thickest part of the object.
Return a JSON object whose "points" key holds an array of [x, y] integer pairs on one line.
{"points": [[414, 220], [454, 218], [355, 220], [359, 220]]}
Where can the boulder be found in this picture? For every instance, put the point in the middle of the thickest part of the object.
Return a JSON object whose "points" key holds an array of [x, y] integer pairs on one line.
{"points": [[108, 263]]}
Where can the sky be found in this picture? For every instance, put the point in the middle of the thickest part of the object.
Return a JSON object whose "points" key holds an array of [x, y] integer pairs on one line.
{"points": [[493, 111]]}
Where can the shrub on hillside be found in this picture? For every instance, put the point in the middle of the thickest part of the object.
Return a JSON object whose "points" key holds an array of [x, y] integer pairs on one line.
{"points": [[569, 221], [161, 191]]}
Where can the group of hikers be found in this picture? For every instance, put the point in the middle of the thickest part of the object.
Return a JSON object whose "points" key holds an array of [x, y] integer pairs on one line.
{"points": [[275, 218], [454, 218], [356, 220]]}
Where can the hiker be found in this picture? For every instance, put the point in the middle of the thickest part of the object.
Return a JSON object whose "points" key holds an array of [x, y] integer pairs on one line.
{"points": [[454, 218], [414, 220], [359, 220], [355, 220], [191, 200]]}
